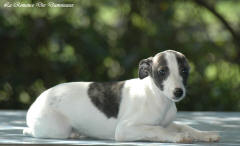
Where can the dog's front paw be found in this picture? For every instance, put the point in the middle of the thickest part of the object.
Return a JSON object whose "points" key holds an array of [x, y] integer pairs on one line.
{"points": [[210, 136], [183, 138]]}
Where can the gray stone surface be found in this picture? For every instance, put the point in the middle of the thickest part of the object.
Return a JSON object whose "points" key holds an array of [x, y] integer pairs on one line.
{"points": [[227, 123]]}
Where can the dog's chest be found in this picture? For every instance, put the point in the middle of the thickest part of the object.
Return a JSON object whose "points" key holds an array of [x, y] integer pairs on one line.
{"points": [[162, 115], [169, 115]]}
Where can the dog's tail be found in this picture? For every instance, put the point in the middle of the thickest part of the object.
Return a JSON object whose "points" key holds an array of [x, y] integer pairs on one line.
{"points": [[27, 132]]}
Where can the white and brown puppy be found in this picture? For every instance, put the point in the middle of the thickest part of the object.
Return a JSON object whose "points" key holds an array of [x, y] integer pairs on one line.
{"points": [[131, 110]]}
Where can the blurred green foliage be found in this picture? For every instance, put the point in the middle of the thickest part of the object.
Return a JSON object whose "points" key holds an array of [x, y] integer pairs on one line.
{"points": [[104, 40]]}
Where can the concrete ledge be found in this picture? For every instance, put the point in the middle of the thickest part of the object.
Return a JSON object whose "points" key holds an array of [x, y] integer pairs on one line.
{"points": [[227, 123]]}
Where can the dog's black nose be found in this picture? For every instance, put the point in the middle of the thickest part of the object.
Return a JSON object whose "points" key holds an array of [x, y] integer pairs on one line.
{"points": [[178, 92]]}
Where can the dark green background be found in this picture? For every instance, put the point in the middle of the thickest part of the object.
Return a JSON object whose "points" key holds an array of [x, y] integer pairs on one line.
{"points": [[104, 40]]}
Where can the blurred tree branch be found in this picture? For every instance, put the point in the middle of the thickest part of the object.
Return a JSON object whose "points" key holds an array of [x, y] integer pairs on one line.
{"points": [[234, 33]]}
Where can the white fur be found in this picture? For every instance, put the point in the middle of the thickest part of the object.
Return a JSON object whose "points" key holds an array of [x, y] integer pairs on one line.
{"points": [[146, 113]]}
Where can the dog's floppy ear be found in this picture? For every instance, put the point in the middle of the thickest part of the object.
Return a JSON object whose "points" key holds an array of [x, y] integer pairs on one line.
{"points": [[145, 67]]}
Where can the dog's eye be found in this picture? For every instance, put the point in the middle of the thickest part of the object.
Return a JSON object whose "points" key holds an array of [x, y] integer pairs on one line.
{"points": [[184, 70], [162, 72]]}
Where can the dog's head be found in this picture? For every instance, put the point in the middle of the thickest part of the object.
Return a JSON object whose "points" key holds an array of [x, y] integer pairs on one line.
{"points": [[169, 71]]}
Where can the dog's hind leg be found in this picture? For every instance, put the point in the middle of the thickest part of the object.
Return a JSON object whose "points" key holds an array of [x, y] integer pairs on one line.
{"points": [[48, 124]]}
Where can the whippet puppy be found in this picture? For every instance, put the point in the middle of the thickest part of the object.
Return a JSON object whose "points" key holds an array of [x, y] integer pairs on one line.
{"points": [[141, 109]]}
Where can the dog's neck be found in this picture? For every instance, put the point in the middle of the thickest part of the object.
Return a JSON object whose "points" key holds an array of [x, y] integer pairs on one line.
{"points": [[158, 94], [165, 108]]}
